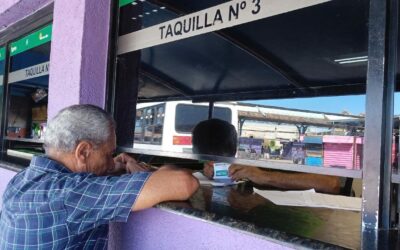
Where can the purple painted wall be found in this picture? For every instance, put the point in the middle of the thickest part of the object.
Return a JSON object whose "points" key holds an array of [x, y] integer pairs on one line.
{"points": [[12, 11], [158, 229], [78, 53], [5, 176]]}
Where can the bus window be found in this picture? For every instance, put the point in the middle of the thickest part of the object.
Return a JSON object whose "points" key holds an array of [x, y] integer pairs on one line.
{"points": [[149, 124], [160, 115], [187, 116], [139, 126], [148, 128]]}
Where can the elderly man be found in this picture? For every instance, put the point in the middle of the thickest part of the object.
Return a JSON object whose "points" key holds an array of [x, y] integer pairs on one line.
{"points": [[65, 199], [218, 137]]}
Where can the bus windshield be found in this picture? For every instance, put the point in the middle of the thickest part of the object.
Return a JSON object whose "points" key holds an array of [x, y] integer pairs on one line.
{"points": [[187, 116]]}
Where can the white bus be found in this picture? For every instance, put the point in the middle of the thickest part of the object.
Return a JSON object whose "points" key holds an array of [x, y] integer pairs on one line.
{"points": [[167, 126]]}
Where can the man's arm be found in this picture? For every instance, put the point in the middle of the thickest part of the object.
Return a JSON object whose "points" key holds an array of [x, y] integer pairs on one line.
{"points": [[166, 184], [208, 169], [287, 180]]}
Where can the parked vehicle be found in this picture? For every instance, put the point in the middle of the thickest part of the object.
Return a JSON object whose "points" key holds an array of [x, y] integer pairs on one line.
{"points": [[168, 126]]}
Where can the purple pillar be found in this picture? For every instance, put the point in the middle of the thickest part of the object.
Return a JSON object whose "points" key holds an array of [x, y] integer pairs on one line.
{"points": [[78, 61]]}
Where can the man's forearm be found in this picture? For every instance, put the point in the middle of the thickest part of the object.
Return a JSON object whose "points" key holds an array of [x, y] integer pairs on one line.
{"points": [[166, 185], [299, 181]]}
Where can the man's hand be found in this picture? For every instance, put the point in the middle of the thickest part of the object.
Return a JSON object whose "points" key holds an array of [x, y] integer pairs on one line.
{"points": [[125, 163], [208, 169], [237, 172], [166, 184]]}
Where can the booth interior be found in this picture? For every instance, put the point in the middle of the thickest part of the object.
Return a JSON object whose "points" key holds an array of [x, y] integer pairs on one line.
{"points": [[25, 69], [180, 63]]}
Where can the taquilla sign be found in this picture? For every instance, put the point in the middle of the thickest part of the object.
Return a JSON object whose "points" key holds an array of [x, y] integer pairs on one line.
{"points": [[212, 19], [37, 70]]}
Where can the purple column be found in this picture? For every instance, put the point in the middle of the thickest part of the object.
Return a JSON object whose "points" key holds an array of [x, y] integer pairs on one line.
{"points": [[12, 11], [78, 64]]}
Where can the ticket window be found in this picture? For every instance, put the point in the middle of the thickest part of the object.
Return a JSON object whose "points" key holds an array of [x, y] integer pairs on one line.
{"points": [[27, 92], [212, 51]]}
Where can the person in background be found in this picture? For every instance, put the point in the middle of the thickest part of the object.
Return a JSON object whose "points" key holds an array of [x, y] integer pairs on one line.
{"points": [[66, 198], [218, 137], [262, 151], [268, 152]]}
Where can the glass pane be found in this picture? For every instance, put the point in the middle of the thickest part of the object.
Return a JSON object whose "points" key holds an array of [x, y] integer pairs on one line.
{"points": [[324, 131], [27, 92], [312, 58], [316, 132]]}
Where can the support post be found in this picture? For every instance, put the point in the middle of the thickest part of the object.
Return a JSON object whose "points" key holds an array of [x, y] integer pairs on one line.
{"points": [[382, 43], [79, 51]]}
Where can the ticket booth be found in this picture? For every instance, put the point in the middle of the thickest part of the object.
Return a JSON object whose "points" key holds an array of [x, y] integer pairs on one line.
{"points": [[279, 71]]}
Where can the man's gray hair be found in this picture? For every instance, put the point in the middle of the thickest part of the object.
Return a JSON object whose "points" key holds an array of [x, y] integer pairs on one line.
{"points": [[78, 123]]}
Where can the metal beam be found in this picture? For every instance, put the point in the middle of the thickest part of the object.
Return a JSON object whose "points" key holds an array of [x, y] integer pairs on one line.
{"points": [[210, 110], [392, 43], [379, 117], [287, 119]]}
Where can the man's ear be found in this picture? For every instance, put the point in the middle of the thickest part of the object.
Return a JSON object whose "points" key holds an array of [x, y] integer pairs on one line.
{"points": [[82, 152]]}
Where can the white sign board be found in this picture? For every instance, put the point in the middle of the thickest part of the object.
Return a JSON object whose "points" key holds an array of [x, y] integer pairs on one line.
{"points": [[1, 80], [34, 71], [215, 18], [310, 198]]}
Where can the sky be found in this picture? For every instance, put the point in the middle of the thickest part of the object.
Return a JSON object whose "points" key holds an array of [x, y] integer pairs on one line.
{"points": [[354, 104]]}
